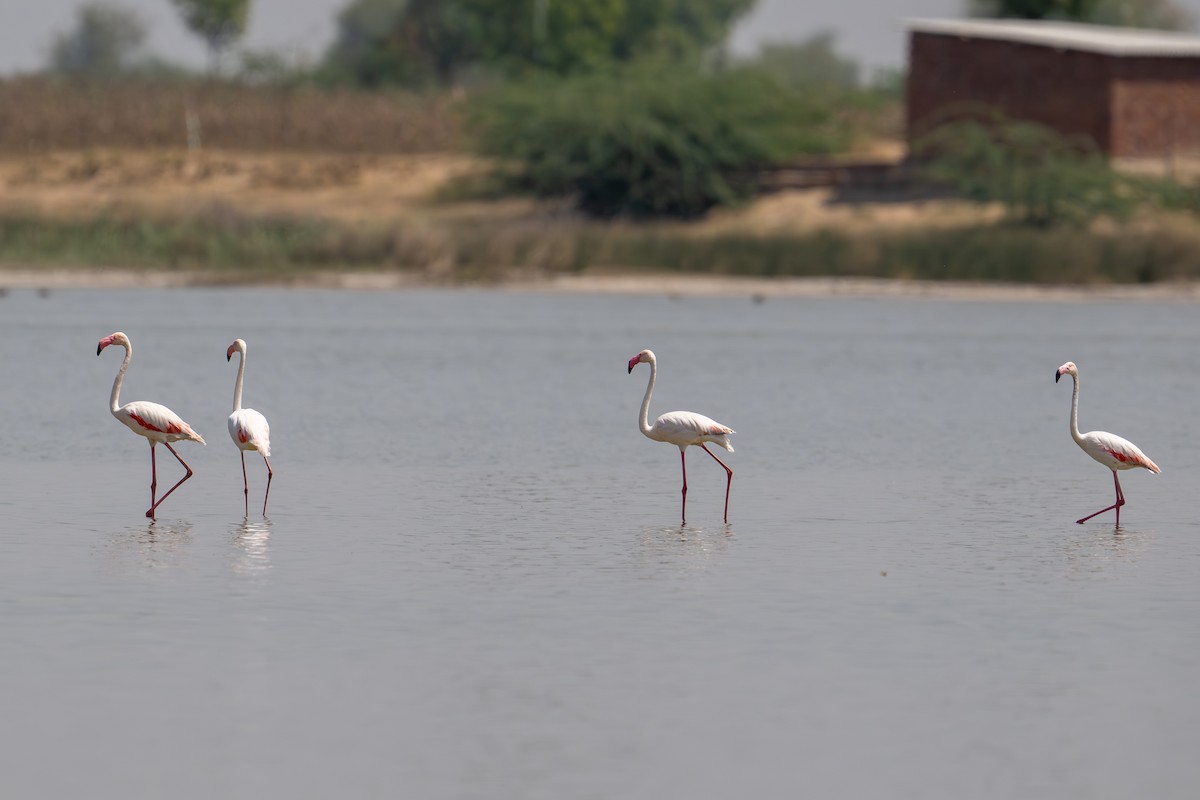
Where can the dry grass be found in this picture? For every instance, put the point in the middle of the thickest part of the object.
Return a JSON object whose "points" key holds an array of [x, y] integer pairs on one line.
{"points": [[238, 216], [39, 114], [383, 189], [178, 183]]}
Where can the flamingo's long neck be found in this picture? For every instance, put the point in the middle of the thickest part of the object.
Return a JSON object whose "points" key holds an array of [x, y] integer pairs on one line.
{"points": [[1075, 413], [115, 401], [237, 387], [644, 419]]}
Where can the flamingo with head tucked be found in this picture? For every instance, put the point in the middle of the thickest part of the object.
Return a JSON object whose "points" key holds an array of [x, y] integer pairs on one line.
{"points": [[1109, 449], [248, 428], [682, 428], [159, 424]]}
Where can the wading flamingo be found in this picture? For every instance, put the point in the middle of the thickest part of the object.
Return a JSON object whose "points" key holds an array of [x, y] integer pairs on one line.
{"points": [[157, 423], [248, 428], [682, 428], [1109, 449]]}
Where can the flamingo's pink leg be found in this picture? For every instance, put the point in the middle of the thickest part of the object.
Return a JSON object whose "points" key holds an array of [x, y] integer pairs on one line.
{"points": [[728, 479], [245, 482], [270, 474], [150, 513], [1117, 505], [153, 482], [683, 463]]}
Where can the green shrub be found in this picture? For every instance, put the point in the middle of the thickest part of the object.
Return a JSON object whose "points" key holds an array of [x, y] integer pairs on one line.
{"points": [[1041, 177], [650, 140]]}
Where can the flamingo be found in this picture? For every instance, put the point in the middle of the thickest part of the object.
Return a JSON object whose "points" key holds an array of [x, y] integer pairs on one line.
{"points": [[682, 428], [1109, 449], [156, 422], [248, 428]]}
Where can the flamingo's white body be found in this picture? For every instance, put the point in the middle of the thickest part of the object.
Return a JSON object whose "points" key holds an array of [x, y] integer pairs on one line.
{"points": [[682, 429], [248, 428], [1107, 448], [157, 423]]}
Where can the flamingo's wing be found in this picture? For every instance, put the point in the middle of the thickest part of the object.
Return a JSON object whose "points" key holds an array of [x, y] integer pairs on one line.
{"points": [[1116, 452], [249, 427], [153, 418], [688, 427]]}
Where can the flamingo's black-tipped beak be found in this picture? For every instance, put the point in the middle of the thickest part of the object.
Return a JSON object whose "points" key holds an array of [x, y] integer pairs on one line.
{"points": [[229, 356], [99, 347], [1057, 375], [627, 372]]}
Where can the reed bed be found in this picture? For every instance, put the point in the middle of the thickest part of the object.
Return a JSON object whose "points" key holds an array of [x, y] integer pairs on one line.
{"points": [[235, 247], [41, 114]]}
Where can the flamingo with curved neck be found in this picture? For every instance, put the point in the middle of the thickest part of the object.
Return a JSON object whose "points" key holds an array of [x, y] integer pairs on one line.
{"points": [[248, 428], [1107, 448], [157, 423], [682, 429]]}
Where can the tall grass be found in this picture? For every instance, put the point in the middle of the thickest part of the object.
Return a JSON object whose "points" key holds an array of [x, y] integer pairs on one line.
{"points": [[39, 114], [239, 248]]}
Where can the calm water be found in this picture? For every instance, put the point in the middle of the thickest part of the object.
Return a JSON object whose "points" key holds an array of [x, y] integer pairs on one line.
{"points": [[472, 582]]}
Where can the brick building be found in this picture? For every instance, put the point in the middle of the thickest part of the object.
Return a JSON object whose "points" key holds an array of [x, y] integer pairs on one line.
{"points": [[1136, 93]]}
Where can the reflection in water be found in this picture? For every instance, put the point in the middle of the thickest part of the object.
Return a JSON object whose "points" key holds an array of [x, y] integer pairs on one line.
{"points": [[252, 554], [156, 545], [683, 545], [1097, 551]]}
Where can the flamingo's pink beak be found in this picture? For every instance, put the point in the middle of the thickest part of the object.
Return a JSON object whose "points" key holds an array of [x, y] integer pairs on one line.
{"points": [[633, 362], [103, 343], [229, 352]]}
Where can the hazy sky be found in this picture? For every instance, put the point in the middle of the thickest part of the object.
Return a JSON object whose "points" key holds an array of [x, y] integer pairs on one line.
{"points": [[869, 31]]}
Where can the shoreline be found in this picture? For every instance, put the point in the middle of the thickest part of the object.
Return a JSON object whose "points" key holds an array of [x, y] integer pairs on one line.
{"points": [[675, 285]]}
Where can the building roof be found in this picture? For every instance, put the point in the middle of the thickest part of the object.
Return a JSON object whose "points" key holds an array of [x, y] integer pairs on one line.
{"points": [[1066, 36]]}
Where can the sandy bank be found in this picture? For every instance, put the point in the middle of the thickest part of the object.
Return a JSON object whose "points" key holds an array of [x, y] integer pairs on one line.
{"points": [[614, 283]]}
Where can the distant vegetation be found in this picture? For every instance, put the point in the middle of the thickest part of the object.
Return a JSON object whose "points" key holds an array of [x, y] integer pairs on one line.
{"points": [[448, 42], [631, 109], [627, 111], [650, 139], [106, 40], [1165, 14], [233, 247], [1042, 179], [40, 114], [219, 23]]}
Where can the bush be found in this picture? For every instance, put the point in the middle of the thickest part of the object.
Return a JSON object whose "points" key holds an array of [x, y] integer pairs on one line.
{"points": [[649, 140], [1041, 177]]}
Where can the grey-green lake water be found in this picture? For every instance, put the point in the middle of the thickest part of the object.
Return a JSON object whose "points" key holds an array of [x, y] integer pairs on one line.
{"points": [[472, 581]]}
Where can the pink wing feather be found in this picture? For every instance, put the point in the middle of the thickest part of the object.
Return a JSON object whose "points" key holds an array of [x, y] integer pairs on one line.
{"points": [[1115, 452], [156, 422]]}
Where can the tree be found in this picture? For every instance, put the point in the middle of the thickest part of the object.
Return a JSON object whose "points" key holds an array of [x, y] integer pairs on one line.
{"points": [[418, 41], [218, 22], [678, 28], [1165, 14], [1161, 14], [811, 63], [106, 39], [1080, 10], [364, 50], [651, 139]]}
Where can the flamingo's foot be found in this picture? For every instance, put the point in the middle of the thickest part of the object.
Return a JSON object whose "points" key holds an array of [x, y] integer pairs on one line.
{"points": [[150, 514]]}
